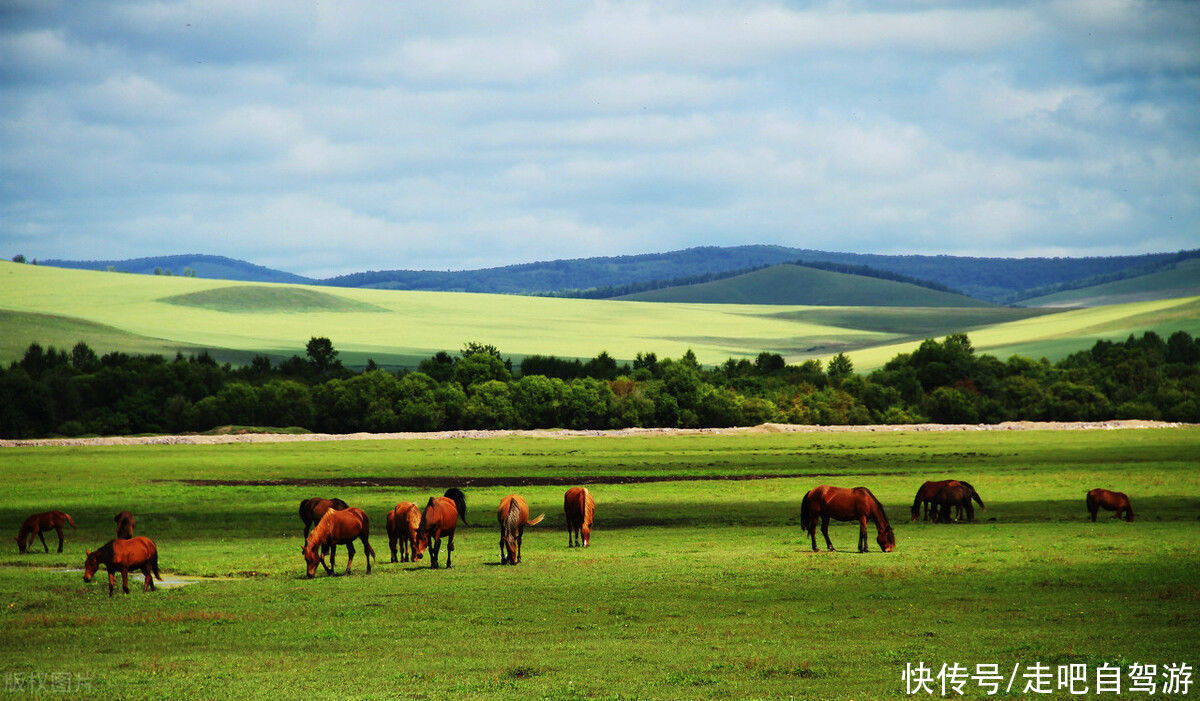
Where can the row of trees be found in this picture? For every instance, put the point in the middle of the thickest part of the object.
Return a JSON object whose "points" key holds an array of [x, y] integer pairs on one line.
{"points": [[56, 392]]}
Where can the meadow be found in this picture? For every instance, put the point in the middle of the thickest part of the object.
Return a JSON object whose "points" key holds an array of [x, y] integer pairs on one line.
{"points": [[698, 587], [144, 313]]}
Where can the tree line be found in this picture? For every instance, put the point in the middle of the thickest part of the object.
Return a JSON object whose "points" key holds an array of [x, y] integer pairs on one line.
{"points": [[52, 392]]}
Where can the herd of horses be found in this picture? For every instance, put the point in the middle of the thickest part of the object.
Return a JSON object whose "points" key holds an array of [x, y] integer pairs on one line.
{"points": [[411, 531]]}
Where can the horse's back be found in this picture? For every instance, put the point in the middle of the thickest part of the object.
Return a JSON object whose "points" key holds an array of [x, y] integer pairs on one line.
{"points": [[133, 552], [444, 514]]}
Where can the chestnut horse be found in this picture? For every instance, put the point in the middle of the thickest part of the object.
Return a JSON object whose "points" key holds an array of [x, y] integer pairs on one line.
{"points": [[35, 524], [513, 516], [460, 503], [928, 492], [138, 553], [858, 504], [337, 527], [312, 510], [1109, 501], [958, 495], [439, 519], [124, 525], [402, 524], [581, 511]]}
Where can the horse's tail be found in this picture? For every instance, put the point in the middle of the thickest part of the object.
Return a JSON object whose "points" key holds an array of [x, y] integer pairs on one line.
{"points": [[537, 520], [806, 514], [460, 502], [154, 566], [70, 520], [974, 494], [589, 507]]}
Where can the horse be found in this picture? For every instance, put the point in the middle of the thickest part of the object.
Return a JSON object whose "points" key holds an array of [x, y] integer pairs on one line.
{"points": [[958, 495], [929, 490], [460, 502], [513, 516], [402, 523], [124, 525], [581, 511], [1104, 499], [312, 510], [439, 519], [37, 523], [138, 553], [337, 527], [843, 504]]}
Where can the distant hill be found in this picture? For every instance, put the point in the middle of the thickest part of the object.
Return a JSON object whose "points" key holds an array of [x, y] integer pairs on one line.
{"points": [[992, 279], [797, 284], [206, 266], [1181, 279]]}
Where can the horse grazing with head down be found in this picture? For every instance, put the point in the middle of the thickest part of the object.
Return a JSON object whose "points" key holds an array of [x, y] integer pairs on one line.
{"points": [[35, 524], [1109, 501], [439, 519], [928, 495], [957, 495], [313, 510], [124, 525], [581, 511], [842, 504], [402, 523], [123, 555], [337, 527], [513, 516]]}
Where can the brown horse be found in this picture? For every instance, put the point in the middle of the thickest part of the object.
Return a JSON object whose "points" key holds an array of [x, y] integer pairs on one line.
{"points": [[1109, 501], [858, 504], [513, 516], [35, 524], [581, 511], [138, 553], [402, 524], [313, 510], [928, 492], [337, 527], [124, 525], [439, 519], [958, 495]]}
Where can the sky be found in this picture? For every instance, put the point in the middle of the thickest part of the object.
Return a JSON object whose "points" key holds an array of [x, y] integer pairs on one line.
{"points": [[333, 137]]}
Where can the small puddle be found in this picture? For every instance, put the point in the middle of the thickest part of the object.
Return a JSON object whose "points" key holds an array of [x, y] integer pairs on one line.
{"points": [[168, 581]]}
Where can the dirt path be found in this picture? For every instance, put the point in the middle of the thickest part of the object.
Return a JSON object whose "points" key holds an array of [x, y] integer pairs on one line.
{"points": [[567, 433]]}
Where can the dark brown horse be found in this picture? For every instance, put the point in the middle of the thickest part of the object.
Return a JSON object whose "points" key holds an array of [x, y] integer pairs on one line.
{"points": [[402, 523], [123, 555], [337, 527], [1109, 501], [928, 492], [957, 495], [843, 504], [312, 510], [513, 516], [35, 524], [439, 519], [124, 524], [581, 511]]}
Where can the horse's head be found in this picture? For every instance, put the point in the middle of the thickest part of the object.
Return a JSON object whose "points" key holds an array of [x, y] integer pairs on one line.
{"points": [[21, 543], [312, 557], [510, 544], [886, 540], [420, 543], [90, 565]]}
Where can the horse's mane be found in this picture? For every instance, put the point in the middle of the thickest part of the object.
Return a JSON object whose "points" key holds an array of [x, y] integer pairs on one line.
{"points": [[879, 512], [321, 531]]}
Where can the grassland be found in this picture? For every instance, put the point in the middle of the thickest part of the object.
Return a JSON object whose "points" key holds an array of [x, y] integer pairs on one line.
{"points": [[695, 589], [140, 313], [1181, 280]]}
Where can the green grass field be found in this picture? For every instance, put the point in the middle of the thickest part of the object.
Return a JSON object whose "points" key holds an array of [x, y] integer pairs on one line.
{"points": [[1182, 280], [143, 313], [691, 589]]}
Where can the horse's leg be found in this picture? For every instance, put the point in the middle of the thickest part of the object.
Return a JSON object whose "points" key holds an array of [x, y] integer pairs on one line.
{"points": [[812, 531], [862, 534], [58, 529], [112, 581], [125, 579], [332, 559], [449, 549], [350, 556], [392, 544], [43, 539], [520, 535], [503, 550], [367, 551], [825, 532], [433, 552], [148, 584]]}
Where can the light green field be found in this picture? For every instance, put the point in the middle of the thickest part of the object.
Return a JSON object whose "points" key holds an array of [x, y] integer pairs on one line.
{"points": [[1182, 280], [140, 313], [691, 589]]}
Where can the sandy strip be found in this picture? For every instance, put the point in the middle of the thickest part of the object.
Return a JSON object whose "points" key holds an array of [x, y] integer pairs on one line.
{"points": [[569, 433]]}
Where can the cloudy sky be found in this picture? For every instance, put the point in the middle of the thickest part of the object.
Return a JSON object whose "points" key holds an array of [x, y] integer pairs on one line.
{"points": [[345, 136]]}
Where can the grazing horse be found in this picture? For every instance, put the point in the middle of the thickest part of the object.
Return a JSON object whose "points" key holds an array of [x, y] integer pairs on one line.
{"points": [[581, 511], [460, 502], [958, 495], [1109, 501], [929, 491], [338, 527], [439, 519], [858, 504], [513, 516], [402, 524], [138, 553], [124, 525], [312, 510], [35, 524]]}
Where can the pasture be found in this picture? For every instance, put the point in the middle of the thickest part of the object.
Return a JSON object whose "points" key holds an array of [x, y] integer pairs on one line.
{"points": [[695, 587]]}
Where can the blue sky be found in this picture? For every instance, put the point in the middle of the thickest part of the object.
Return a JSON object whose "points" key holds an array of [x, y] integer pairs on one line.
{"points": [[347, 136]]}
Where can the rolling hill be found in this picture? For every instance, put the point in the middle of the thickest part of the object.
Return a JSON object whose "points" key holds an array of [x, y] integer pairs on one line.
{"points": [[206, 266], [1179, 280], [801, 285]]}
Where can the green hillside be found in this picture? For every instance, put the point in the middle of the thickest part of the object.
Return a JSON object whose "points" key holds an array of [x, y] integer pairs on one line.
{"points": [[1181, 280], [796, 285]]}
